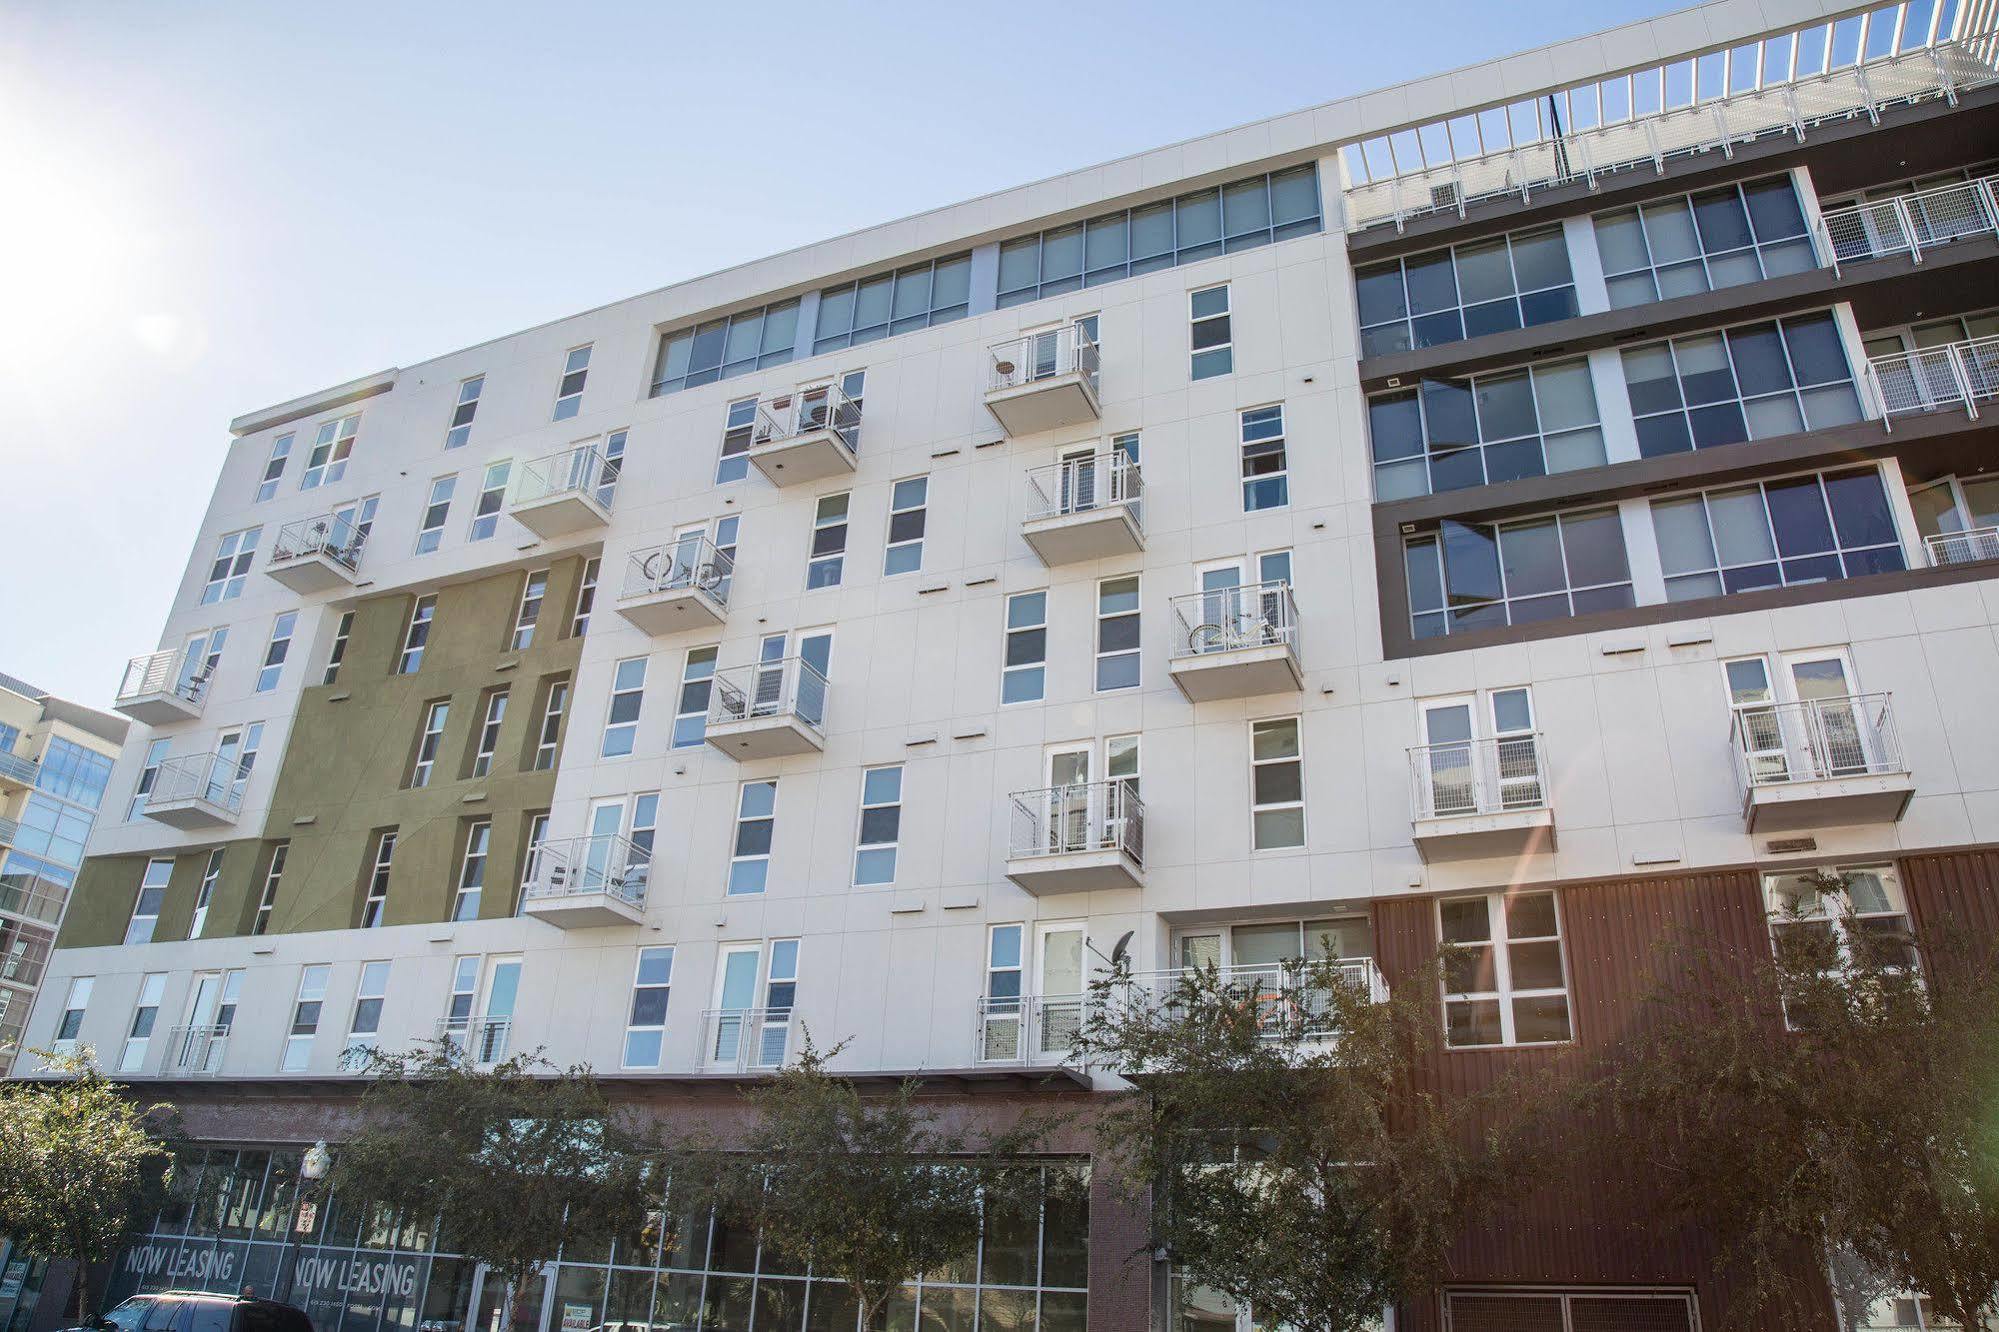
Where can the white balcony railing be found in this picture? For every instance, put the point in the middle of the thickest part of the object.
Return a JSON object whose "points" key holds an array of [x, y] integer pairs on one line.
{"points": [[745, 1039], [1086, 485], [1281, 993], [575, 866], [581, 471], [10, 832], [195, 1052], [806, 412], [1489, 776], [339, 537], [1089, 816], [1026, 1028], [1227, 618], [214, 778], [791, 687], [1947, 548], [18, 768], [1050, 354], [1957, 375], [164, 673], [688, 562], [482, 1040], [1909, 223], [1816, 740]]}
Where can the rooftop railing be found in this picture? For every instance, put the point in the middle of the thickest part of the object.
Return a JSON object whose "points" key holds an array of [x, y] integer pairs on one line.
{"points": [[581, 470], [215, 778], [1956, 376], [1088, 816], [1816, 740], [1226, 618], [163, 673], [745, 1039], [805, 412], [1086, 485], [770, 689], [573, 866], [1488, 776], [1909, 223], [1948, 548], [688, 562], [336, 536], [1050, 354]]}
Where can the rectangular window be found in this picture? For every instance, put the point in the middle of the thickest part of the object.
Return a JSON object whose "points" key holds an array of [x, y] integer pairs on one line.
{"points": [[305, 1018], [1868, 919], [736, 431], [586, 597], [550, 734], [146, 906], [829, 542], [489, 732], [906, 522], [70, 1025], [1450, 434], [204, 896], [912, 297], [436, 509], [234, 553], [537, 836], [145, 1016], [1023, 677], [1277, 782], [1117, 633], [1469, 576], [379, 871], [569, 392], [690, 715], [462, 414], [268, 901], [149, 772], [628, 682], [458, 1008], [1211, 338], [724, 348], [1504, 979], [429, 740], [756, 819], [418, 634], [1701, 242], [1266, 475], [1801, 529], [472, 871], [534, 589], [492, 498], [327, 462], [881, 826], [365, 1027], [612, 468], [1758, 381], [645, 1031], [274, 467], [338, 651], [1513, 281], [275, 652]]}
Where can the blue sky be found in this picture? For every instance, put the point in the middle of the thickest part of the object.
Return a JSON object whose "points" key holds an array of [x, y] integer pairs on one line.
{"points": [[212, 208]]}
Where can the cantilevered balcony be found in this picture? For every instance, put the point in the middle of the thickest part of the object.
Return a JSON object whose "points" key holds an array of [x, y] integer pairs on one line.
{"points": [[162, 687], [768, 710], [808, 434], [1044, 381], [1957, 376], [1085, 509], [681, 585], [586, 882], [1910, 224], [1075, 839], [198, 791], [1477, 798], [565, 493], [1819, 763], [1948, 548], [1027, 1029], [745, 1040], [319, 553], [1236, 642]]}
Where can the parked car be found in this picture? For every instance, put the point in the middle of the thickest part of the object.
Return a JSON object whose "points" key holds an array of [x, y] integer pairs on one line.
{"points": [[198, 1311]]}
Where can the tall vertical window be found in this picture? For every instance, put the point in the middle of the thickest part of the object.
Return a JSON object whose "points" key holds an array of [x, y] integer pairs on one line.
{"points": [[550, 733], [492, 497], [275, 652], [416, 635], [464, 993], [305, 1018], [145, 1016], [534, 590], [327, 462], [462, 414], [380, 869], [1003, 968], [1211, 337], [436, 509], [149, 772], [1023, 677], [537, 835], [756, 819], [246, 756], [274, 467], [736, 429], [146, 906], [881, 826], [829, 542], [905, 525], [70, 1025], [621, 725], [489, 732], [365, 1027], [472, 871], [645, 1030], [204, 896], [338, 651], [1117, 633], [267, 902], [1504, 979], [1266, 482], [428, 742], [234, 554], [614, 466], [586, 597], [569, 390], [690, 711], [1277, 795]]}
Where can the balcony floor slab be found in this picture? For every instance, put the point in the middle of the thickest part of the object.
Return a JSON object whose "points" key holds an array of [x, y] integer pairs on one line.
{"points": [[765, 737], [1092, 534], [1514, 832], [796, 459], [1075, 872], [1828, 802], [560, 515], [672, 609], [1246, 672], [1044, 404]]}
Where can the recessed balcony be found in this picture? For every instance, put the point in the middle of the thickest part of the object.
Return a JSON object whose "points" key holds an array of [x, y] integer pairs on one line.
{"points": [[1236, 642], [162, 687], [1820, 763], [1044, 381], [586, 882], [745, 1040], [197, 791], [565, 493], [1077, 839], [1478, 798], [1084, 509], [769, 710], [1951, 548], [681, 585], [1910, 224], [806, 435], [1957, 376], [318, 554]]}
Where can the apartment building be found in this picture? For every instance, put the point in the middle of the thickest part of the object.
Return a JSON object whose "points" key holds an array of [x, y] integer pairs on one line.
{"points": [[1535, 508]]}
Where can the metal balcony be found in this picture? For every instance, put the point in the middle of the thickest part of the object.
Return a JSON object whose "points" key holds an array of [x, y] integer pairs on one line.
{"points": [[17, 772], [318, 554], [585, 882], [1027, 1029], [681, 585], [197, 791], [1044, 381], [1236, 642], [1957, 376], [1820, 763], [1085, 509], [160, 688], [479, 1040], [806, 435], [565, 493], [1074, 839], [745, 1040], [768, 710], [1477, 798], [1948, 548], [195, 1052], [1909, 224]]}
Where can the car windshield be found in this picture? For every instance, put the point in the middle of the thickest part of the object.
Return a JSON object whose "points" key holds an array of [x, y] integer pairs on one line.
{"points": [[131, 1315]]}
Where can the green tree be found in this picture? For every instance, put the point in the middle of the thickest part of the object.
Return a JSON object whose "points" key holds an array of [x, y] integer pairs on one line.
{"points": [[79, 1162], [1294, 1161]]}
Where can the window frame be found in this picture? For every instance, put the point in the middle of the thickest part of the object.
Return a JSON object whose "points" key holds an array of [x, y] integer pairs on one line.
{"points": [[719, 332], [892, 847], [492, 500], [1703, 257], [436, 513], [1252, 450], [625, 729], [267, 901], [492, 717], [1446, 611], [1732, 337], [1256, 766], [733, 463], [235, 553], [296, 1054], [76, 1003], [1202, 358], [463, 410], [527, 614], [429, 743], [1135, 652], [1429, 453], [743, 822], [548, 733], [1837, 552], [568, 396], [694, 684], [1500, 939], [274, 467], [827, 568], [145, 1020], [133, 935], [337, 651], [634, 1029], [586, 596], [380, 877], [360, 1042], [472, 866], [332, 445], [853, 333], [1518, 297], [1009, 668], [204, 896], [897, 509], [284, 626]]}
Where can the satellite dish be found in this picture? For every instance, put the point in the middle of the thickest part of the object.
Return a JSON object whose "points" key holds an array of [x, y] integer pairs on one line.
{"points": [[1122, 948]]}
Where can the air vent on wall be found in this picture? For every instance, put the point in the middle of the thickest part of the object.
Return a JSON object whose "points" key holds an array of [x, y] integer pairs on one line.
{"points": [[1444, 196], [1787, 846]]}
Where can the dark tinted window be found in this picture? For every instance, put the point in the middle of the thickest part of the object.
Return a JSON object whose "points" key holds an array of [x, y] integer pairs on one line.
{"points": [[209, 1316], [265, 1316], [165, 1315]]}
